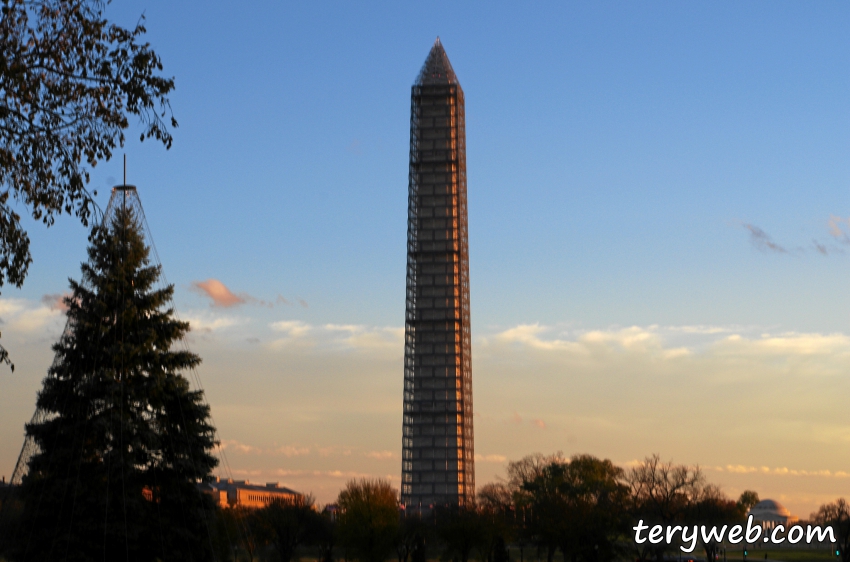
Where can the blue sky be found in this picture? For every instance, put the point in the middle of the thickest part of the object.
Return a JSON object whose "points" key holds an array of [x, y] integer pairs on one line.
{"points": [[658, 193]]}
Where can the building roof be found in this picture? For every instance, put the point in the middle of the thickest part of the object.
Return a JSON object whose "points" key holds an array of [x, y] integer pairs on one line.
{"points": [[246, 485], [437, 68], [769, 507]]}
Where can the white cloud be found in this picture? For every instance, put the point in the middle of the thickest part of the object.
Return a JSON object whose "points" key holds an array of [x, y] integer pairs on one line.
{"points": [[733, 398], [233, 445], [710, 330], [779, 471], [291, 328], [339, 336], [285, 450], [205, 323], [381, 455], [10, 307], [344, 474], [292, 451], [24, 316], [498, 459], [652, 343], [788, 344]]}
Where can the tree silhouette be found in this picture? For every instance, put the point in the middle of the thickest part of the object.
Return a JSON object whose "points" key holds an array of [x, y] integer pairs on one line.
{"points": [[126, 441], [369, 519], [289, 523], [837, 516], [68, 81]]}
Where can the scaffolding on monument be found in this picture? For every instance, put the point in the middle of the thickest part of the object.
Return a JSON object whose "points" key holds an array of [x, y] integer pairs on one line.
{"points": [[438, 462]]}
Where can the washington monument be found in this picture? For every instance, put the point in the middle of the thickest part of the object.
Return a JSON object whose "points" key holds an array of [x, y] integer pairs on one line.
{"points": [[438, 458]]}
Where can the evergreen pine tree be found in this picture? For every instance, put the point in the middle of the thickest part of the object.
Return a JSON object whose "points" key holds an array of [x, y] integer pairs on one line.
{"points": [[126, 442]]}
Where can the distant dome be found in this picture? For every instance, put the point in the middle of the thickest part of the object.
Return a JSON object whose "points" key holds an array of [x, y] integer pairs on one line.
{"points": [[767, 508]]}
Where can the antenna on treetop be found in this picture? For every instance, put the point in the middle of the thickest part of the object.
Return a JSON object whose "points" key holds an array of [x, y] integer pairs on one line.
{"points": [[124, 202]]}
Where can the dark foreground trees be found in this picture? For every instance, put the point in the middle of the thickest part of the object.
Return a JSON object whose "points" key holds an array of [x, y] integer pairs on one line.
{"points": [[126, 440], [662, 493], [837, 516], [584, 507], [69, 79], [576, 505], [289, 523], [368, 519]]}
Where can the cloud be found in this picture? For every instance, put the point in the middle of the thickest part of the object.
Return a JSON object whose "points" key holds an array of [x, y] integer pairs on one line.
{"points": [[518, 420], [837, 227], [652, 341], [24, 316], [292, 328], [56, 301], [761, 240], [339, 336], [381, 455], [333, 473], [779, 471], [837, 230], [769, 396], [205, 324], [220, 295], [345, 474], [789, 344], [634, 339], [498, 459], [291, 451], [738, 469], [710, 330], [233, 445], [286, 450]]}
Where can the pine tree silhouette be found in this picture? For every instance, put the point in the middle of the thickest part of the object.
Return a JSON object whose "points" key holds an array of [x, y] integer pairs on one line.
{"points": [[124, 441]]}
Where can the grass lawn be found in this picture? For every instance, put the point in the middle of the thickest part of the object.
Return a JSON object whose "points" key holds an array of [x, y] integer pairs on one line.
{"points": [[785, 555]]}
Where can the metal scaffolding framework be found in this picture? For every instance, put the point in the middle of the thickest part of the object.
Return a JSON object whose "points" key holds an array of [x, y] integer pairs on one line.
{"points": [[438, 458]]}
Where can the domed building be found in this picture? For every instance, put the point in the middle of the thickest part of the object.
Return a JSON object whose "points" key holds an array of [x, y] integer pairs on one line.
{"points": [[770, 513]]}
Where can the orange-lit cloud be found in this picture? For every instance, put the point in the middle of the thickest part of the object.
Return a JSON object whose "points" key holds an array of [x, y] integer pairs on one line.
{"points": [[780, 471], [291, 451], [223, 297], [55, 301], [498, 459], [285, 450], [216, 290], [381, 455]]}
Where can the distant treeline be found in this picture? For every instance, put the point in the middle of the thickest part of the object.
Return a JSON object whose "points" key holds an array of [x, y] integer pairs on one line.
{"points": [[582, 509]]}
